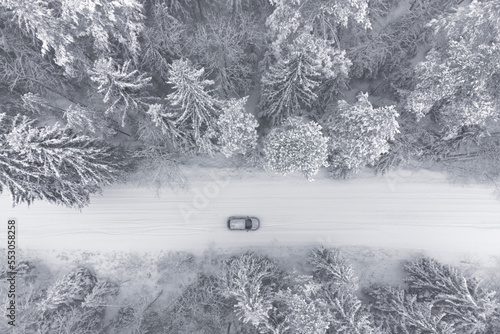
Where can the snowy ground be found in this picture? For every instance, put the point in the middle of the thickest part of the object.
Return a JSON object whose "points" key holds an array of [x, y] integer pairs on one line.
{"points": [[402, 210]]}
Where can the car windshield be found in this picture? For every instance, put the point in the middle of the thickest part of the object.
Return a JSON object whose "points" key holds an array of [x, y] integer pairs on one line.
{"points": [[248, 223]]}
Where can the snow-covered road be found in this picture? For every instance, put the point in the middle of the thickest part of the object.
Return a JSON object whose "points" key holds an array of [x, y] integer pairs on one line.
{"points": [[403, 209]]}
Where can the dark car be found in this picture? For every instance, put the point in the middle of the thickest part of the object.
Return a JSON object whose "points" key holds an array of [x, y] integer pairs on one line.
{"points": [[242, 223]]}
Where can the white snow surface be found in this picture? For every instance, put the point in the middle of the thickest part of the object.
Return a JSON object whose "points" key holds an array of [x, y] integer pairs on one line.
{"points": [[404, 209]]}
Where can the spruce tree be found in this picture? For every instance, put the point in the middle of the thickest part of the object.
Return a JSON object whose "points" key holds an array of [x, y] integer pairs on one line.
{"points": [[303, 311], [288, 86], [238, 134], [70, 290], [193, 104], [397, 311], [191, 93], [65, 27], [52, 164], [338, 287], [359, 134], [464, 302], [120, 85], [252, 280]]}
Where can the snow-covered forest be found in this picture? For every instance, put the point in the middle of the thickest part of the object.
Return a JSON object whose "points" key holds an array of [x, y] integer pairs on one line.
{"points": [[93, 92], [249, 292]]}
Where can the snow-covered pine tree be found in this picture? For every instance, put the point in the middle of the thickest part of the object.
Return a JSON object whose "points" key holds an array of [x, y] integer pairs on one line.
{"points": [[66, 26], [296, 146], [458, 81], [88, 120], [394, 310], [70, 290], [220, 44], [359, 134], [162, 40], [319, 18], [173, 135], [238, 134], [110, 25], [330, 267], [300, 25], [200, 304], [22, 67], [460, 298], [38, 19], [386, 52], [348, 314], [193, 102], [252, 280], [75, 303], [102, 292], [338, 286], [303, 312], [120, 85], [52, 164], [288, 87], [459, 86], [37, 105]]}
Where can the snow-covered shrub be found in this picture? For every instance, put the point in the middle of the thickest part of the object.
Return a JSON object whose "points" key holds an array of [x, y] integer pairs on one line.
{"points": [[359, 134], [176, 262], [460, 298], [238, 134], [296, 146], [52, 163], [65, 310], [471, 157], [23, 268]]}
